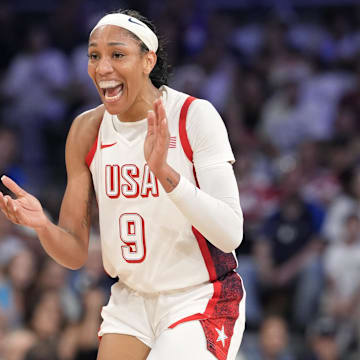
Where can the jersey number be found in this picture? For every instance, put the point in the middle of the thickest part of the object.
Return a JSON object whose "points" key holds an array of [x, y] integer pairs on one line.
{"points": [[132, 234]]}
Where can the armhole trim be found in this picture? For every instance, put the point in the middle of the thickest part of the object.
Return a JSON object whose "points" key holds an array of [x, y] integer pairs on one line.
{"points": [[90, 156], [182, 128]]}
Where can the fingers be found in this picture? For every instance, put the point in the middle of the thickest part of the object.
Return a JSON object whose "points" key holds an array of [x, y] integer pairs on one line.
{"points": [[161, 111], [13, 186], [9, 208], [3, 203], [151, 123], [161, 118], [12, 210]]}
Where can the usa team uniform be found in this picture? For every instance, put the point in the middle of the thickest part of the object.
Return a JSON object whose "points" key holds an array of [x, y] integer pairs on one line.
{"points": [[168, 272]]}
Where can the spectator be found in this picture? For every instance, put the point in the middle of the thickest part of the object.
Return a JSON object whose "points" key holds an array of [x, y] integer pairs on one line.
{"points": [[55, 278], [42, 350], [10, 243], [19, 276], [287, 253], [273, 341], [319, 182], [44, 315], [16, 343], [80, 340], [9, 151], [344, 204], [342, 271], [32, 87], [321, 338]]}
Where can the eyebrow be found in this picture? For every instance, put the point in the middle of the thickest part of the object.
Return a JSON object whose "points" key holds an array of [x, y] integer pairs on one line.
{"points": [[112, 43]]}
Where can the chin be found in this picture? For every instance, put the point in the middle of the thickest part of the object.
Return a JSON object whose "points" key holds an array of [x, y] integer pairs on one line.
{"points": [[113, 108]]}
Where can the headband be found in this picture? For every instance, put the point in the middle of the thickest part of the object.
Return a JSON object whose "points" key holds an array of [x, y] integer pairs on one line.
{"points": [[137, 27]]}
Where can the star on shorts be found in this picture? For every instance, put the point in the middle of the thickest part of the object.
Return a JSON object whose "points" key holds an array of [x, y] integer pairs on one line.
{"points": [[222, 337]]}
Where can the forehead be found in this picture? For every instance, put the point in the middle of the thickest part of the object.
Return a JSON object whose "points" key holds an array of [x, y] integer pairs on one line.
{"points": [[111, 33]]}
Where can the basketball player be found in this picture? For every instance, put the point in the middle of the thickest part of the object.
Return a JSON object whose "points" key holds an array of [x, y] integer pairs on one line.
{"points": [[160, 163]]}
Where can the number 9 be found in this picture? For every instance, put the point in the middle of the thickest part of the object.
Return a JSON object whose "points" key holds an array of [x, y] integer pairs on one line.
{"points": [[132, 234]]}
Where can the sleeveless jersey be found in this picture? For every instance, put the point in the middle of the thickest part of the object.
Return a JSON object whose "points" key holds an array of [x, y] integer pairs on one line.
{"points": [[146, 241]]}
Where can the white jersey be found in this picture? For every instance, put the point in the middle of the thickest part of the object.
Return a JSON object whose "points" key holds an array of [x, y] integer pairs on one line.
{"points": [[146, 241]]}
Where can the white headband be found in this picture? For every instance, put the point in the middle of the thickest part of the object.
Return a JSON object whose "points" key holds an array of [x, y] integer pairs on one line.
{"points": [[137, 27]]}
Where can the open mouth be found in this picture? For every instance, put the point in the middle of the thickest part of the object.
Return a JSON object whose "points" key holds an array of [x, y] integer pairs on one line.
{"points": [[112, 90]]}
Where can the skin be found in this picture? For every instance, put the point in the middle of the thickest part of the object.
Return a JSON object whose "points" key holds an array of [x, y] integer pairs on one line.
{"points": [[113, 55]]}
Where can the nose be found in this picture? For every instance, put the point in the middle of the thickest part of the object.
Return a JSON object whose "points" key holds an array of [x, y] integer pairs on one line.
{"points": [[104, 66]]}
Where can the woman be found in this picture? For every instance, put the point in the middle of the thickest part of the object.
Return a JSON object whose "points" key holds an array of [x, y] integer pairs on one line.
{"points": [[170, 243]]}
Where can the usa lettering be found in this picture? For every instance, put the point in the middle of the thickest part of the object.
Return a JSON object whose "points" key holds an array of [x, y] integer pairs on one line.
{"points": [[127, 181]]}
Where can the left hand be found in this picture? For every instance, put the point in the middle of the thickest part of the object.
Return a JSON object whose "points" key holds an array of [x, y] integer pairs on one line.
{"points": [[157, 139]]}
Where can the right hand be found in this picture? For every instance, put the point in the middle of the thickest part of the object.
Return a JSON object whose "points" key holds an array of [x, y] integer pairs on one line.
{"points": [[25, 209], [157, 139]]}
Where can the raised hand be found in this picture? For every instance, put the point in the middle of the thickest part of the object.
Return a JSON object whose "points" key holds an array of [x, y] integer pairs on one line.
{"points": [[157, 139], [25, 209]]}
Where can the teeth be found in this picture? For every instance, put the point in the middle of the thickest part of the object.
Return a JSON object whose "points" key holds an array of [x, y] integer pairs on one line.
{"points": [[108, 84], [113, 98]]}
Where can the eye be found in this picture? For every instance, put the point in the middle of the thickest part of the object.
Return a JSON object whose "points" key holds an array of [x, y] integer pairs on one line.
{"points": [[93, 56], [117, 55]]}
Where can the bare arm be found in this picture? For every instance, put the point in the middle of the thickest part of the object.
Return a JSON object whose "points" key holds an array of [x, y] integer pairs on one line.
{"points": [[67, 242]]}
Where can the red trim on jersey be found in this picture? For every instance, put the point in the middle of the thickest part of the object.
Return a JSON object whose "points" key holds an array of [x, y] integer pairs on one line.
{"points": [[99, 336], [189, 153], [182, 128], [199, 237], [206, 254], [92, 151]]}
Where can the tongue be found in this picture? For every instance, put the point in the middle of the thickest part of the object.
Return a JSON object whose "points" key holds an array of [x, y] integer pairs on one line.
{"points": [[111, 92]]}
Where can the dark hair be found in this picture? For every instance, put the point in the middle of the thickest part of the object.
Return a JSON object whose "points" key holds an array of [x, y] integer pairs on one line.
{"points": [[160, 73]]}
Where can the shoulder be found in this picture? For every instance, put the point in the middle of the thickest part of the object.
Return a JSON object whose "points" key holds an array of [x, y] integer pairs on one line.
{"points": [[197, 108], [85, 128], [177, 98], [202, 116], [202, 107], [89, 120]]}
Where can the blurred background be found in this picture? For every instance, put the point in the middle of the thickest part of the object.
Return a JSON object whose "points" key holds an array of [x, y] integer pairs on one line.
{"points": [[285, 76]]}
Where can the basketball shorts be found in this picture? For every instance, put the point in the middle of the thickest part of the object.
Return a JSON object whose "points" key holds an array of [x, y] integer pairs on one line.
{"points": [[204, 322]]}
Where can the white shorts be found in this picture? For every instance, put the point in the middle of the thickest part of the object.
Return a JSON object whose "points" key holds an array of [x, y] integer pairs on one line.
{"points": [[208, 319]]}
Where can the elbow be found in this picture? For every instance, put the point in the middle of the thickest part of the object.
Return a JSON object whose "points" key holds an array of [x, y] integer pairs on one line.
{"points": [[232, 243], [76, 264], [234, 237], [231, 246]]}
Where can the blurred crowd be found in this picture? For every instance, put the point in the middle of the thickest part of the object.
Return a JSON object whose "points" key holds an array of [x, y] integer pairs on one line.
{"points": [[286, 80]]}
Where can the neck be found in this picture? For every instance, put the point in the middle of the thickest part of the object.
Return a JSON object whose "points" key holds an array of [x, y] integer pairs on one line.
{"points": [[142, 104]]}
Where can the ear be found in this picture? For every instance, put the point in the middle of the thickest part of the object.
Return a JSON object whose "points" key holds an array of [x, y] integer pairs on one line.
{"points": [[150, 59]]}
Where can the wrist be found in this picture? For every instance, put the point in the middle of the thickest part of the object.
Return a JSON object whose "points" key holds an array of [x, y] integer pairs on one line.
{"points": [[43, 227], [168, 178]]}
